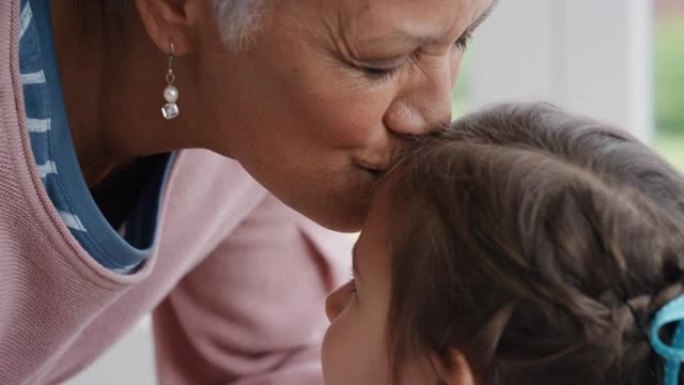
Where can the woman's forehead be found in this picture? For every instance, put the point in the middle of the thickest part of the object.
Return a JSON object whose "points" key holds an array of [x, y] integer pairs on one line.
{"points": [[360, 25], [407, 18]]}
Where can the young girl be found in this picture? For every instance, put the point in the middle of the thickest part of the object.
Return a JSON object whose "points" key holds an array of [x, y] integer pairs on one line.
{"points": [[524, 246]]}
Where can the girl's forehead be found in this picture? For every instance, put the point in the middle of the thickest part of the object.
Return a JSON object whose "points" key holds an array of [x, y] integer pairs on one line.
{"points": [[372, 252]]}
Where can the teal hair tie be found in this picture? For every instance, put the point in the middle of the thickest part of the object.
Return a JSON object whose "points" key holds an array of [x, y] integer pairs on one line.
{"points": [[673, 354]]}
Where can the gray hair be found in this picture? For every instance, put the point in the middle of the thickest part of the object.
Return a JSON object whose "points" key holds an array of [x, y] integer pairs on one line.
{"points": [[238, 20]]}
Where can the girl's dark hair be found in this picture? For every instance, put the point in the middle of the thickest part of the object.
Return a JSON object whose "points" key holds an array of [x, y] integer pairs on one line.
{"points": [[536, 243]]}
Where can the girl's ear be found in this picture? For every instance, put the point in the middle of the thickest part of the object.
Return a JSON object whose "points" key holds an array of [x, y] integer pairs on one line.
{"points": [[459, 373]]}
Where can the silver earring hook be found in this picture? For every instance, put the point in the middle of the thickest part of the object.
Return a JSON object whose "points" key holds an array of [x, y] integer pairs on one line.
{"points": [[170, 77]]}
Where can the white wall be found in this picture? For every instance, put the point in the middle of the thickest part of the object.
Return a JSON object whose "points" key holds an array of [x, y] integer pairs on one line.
{"points": [[130, 361], [590, 56]]}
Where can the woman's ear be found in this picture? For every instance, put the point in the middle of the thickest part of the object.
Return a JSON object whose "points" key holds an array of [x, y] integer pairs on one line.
{"points": [[459, 373], [171, 21]]}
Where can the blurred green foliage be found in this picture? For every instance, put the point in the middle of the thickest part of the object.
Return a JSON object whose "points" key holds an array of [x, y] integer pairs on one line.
{"points": [[459, 100], [669, 74], [669, 88], [670, 144]]}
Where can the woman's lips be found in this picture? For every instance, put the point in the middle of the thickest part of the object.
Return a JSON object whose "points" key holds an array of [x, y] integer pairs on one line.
{"points": [[375, 164]]}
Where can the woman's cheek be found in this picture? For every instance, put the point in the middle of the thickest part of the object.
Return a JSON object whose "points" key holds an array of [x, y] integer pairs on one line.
{"points": [[363, 127]]}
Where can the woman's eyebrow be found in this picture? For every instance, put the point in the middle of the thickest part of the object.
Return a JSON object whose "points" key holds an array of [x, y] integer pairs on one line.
{"points": [[405, 37], [482, 18]]}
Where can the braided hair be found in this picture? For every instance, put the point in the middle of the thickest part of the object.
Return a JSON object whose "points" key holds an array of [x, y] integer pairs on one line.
{"points": [[539, 245]]}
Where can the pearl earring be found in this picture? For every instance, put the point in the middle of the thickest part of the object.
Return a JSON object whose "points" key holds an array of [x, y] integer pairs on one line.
{"points": [[170, 109]]}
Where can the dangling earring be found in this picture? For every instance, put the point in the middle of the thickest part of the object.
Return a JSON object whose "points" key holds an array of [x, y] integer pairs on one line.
{"points": [[170, 109]]}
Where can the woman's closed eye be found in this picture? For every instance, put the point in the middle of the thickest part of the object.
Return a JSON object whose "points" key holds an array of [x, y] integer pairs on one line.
{"points": [[381, 70], [463, 41], [379, 73], [388, 68]]}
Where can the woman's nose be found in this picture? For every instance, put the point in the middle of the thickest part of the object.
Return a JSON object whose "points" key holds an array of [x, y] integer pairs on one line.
{"points": [[424, 105]]}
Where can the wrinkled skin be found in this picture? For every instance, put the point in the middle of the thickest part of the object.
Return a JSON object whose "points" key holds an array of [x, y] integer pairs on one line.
{"points": [[314, 110]]}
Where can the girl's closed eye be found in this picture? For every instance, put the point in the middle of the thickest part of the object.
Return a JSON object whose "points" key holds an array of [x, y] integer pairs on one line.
{"points": [[350, 293], [340, 300], [350, 289]]}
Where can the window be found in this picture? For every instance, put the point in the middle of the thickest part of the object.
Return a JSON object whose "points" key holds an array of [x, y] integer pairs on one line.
{"points": [[669, 80]]}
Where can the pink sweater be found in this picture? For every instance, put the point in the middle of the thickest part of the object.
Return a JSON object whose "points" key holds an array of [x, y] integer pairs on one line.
{"points": [[237, 282]]}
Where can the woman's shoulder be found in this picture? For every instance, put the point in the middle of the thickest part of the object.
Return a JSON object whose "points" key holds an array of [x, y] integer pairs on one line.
{"points": [[9, 70], [12, 143]]}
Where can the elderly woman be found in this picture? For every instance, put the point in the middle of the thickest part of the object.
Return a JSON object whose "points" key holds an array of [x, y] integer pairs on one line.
{"points": [[130, 132]]}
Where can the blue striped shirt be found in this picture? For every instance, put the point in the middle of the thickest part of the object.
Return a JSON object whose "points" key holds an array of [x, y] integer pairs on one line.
{"points": [[121, 250]]}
